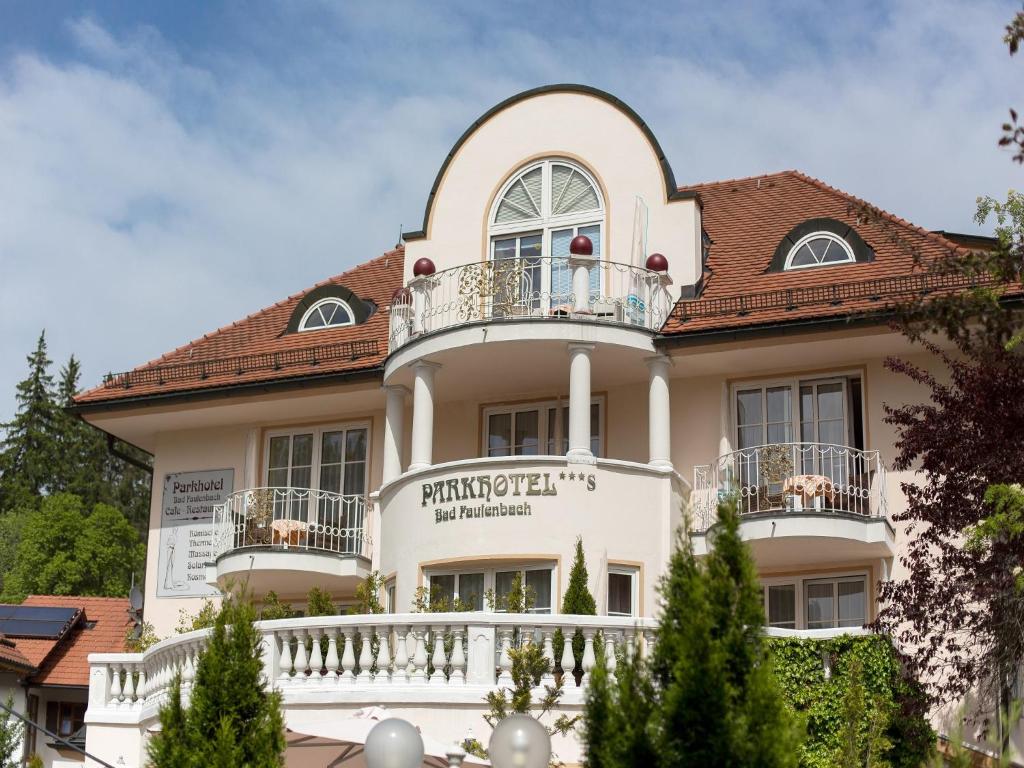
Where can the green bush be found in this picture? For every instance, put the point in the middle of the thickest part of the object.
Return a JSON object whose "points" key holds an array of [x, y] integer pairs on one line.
{"points": [[800, 669]]}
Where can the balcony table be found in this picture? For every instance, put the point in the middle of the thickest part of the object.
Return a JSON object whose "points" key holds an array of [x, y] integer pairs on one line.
{"points": [[809, 490], [288, 532]]}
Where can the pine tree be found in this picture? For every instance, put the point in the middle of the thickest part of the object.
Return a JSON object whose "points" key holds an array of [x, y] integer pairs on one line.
{"points": [[28, 451], [714, 698], [232, 720]]}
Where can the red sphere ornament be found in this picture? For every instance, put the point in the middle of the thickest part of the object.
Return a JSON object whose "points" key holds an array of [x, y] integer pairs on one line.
{"points": [[657, 263], [423, 267], [581, 246]]}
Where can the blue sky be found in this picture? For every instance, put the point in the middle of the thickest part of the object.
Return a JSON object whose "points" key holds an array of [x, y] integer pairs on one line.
{"points": [[167, 168]]}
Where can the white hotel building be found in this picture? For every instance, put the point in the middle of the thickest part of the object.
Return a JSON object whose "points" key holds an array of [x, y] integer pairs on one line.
{"points": [[574, 344]]}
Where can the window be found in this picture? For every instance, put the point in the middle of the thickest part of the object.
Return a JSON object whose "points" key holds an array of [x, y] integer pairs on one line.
{"points": [[817, 249], [390, 598], [327, 313], [473, 588], [816, 603], [536, 428], [622, 591], [64, 717], [537, 214]]}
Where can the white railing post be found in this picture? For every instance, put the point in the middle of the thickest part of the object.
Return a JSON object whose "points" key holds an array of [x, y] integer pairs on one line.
{"points": [[480, 654]]}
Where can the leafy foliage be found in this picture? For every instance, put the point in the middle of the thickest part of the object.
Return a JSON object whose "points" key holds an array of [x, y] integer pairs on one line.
{"points": [[64, 550], [272, 607], [368, 594], [867, 703], [204, 618], [141, 638], [11, 731], [231, 720], [318, 603], [713, 696]]}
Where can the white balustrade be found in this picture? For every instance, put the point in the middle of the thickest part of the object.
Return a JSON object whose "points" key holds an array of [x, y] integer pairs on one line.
{"points": [[535, 288]]}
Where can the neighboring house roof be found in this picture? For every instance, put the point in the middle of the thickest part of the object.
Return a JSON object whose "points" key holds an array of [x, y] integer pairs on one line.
{"points": [[746, 220], [99, 627], [258, 349], [13, 659]]}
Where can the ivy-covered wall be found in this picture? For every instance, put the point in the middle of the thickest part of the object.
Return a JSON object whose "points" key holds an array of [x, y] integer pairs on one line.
{"points": [[800, 669]]}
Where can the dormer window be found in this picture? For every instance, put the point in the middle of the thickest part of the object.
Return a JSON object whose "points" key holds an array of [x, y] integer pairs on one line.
{"points": [[819, 248], [326, 313], [537, 213]]}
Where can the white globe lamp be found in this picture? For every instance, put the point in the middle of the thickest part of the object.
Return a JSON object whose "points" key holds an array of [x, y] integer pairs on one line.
{"points": [[519, 741], [394, 743]]}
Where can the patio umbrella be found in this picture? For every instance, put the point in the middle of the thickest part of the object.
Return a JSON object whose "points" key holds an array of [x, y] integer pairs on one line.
{"points": [[339, 743]]}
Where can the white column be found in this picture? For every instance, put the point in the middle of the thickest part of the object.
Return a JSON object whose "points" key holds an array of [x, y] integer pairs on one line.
{"points": [[659, 428], [579, 404], [394, 416], [423, 415], [580, 266]]}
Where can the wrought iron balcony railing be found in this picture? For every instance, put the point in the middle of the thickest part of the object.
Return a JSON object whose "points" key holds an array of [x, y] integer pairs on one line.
{"points": [[534, 288], [291, 518], [791, 477]]}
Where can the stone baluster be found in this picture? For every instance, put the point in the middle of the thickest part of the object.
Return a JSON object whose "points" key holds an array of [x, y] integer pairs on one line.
{"points": [[438, 659], [332, 660], [141, 689], [128, 691], [610, 661], [115, 685], [458, 660], [316, 659], [568, 662], [383, 656], [348, 659], [188, 665], [301, 659], [419, 657], [588, 655], [401, 673], [548, 678], [286, 656], [365, 656], [504, 659]]}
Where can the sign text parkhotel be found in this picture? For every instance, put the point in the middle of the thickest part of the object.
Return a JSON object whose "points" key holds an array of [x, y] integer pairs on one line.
{"points": [[579, 341]]}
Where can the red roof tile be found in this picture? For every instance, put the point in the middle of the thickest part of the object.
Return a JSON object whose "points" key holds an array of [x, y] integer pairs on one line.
{"points": [[12, 658], [257, 349], [101, 630]]}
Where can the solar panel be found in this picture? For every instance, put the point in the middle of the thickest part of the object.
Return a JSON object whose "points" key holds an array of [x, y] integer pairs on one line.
{"points": [[32, 621]]}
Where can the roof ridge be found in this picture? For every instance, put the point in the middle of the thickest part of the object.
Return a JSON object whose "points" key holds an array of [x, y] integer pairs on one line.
{"points": [[898, 220], [737, 180], [166, 357]]}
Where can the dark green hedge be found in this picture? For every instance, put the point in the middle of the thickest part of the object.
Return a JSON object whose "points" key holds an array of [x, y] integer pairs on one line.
{"points": [[800, 669]]}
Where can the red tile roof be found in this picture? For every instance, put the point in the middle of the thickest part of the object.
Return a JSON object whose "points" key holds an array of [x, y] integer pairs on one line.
{"points": [[12, 658], [101, 629], [746, 220], [257, 349]]}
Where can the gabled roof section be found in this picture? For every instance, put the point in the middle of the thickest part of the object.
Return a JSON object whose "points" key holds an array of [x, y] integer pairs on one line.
{"points": [[12, 659], [101, 629], [746, 219], [259, 350]]}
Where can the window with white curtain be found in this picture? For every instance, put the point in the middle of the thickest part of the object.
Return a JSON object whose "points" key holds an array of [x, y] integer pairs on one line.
{"points": [[537, 214]]}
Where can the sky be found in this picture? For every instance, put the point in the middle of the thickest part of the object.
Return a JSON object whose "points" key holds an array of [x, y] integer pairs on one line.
{"points": [[168, 168]]}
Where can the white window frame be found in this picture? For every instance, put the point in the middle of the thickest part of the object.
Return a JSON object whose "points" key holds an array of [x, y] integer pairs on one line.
{"points": [[391, 596], [800, 590], [634, 600], [490, 580], [835, 581], [850, 258], [794, 384], [326, 300], [543, 406], [317, 432], [546, 223]]}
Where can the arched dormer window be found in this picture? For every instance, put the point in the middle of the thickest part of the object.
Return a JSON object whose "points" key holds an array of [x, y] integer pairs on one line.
{"points": [[327, 313], [819, 248], [536, 214], [819, 243]]}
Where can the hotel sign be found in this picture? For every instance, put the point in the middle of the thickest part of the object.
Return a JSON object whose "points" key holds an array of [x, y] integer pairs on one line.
{"points": [[186, 542], [496, 495]]}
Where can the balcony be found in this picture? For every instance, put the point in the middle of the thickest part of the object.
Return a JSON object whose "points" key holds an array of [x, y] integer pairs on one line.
{"points": [[799, 502], [277, 537], [530, 289]]}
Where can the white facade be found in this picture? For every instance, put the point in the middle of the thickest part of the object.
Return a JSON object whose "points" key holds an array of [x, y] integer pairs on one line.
{"points": [[530, 396]]}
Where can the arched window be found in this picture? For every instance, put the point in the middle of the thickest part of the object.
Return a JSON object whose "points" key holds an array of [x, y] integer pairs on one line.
{"points": [[326, 313], [819, 248], [536, 215]]}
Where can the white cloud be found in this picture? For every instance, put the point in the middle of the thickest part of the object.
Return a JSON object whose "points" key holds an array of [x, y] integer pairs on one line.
{"points": [[149, 194]]}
